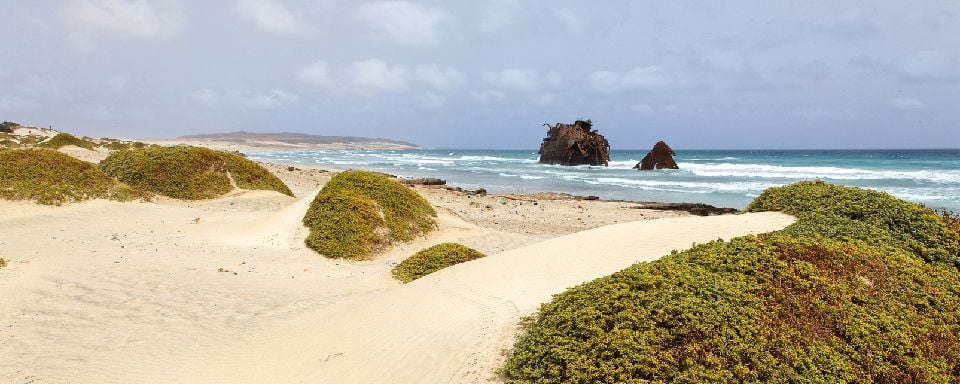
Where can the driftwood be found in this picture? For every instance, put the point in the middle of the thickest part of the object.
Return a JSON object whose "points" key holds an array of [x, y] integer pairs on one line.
{"points": [[574, 144], [660, 157]]}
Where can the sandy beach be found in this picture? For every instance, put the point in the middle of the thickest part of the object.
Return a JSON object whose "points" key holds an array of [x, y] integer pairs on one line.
{"points": [[224, 290]]}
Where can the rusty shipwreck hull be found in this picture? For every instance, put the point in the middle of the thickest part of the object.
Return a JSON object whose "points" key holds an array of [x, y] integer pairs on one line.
{"points": [[574, 144]]}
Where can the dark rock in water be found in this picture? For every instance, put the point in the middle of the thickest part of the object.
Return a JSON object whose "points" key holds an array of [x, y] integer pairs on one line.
{"points": [[574, 144], [425, 181], [698, 209], [660, 157]]}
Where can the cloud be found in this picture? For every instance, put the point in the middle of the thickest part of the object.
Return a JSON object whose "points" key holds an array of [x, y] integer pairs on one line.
{"points": [[207, 97], [375, 76], [316, 74], [272, 99], [907, 103], [649, 78], [524, 80], [496, 14], [440, 78], [271, 16], [245, 99], [142, 19], [433, 100], [570, 20], [928, 66], [407, 23]]}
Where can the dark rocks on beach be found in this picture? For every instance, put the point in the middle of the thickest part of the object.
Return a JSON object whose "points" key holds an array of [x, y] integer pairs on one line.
{"points": [[425, 181], [660, 157], [478, 192], [698, 209], [574, 144]]}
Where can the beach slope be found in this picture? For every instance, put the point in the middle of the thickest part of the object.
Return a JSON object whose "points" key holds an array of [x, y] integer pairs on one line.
{"points": [[454, 325]]}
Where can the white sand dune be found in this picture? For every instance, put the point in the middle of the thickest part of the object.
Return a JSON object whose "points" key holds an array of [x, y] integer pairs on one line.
{"points": [[107, 292], [454, 325]]}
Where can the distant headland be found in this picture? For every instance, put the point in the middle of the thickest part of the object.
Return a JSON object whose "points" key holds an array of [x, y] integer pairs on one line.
{"points": [[291, 140]]}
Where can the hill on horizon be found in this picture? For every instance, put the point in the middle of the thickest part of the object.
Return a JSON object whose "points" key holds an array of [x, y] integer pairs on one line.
{"points": [[293, 138]]}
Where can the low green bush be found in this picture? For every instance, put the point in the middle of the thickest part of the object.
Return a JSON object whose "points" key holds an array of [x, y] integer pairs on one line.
{"points": [[61, 140], [117, 145], [50, 177], [849, 293], [359, 213], [918, 229], [31, 140], [345, 225], [250, 175], [406, 213], [189, 173], [8, 126], [434, 259]]}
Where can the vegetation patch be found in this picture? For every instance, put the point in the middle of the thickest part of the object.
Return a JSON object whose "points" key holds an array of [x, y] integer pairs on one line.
{"points": [[64, 139], [118, 145], [434, 259], [189, 173], [250, 175], [863, 288], [359, 213], [406, 213], [50, 177], [3, 263], [345, 225], [8, 126]]}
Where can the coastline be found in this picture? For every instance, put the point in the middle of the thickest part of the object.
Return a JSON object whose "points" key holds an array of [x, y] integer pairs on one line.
{"points": [[104, 291]]}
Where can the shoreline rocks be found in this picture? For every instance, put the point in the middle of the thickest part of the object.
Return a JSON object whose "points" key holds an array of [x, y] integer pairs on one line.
{"points": [[660, 157]]}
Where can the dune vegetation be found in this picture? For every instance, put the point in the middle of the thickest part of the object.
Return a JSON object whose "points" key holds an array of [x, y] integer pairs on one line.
{"points": [[8, 127], [61, 140], [50, 177], [863, 288], [434, 259], [118, 145], [359, 213], [189, 173]]}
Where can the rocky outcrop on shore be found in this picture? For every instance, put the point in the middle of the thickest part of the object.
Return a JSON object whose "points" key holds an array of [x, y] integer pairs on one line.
{"points": [[574, 144], [660, 157]]}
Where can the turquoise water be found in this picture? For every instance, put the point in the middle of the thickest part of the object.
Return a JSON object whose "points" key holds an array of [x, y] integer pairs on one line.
{"points": [[723, 178]]}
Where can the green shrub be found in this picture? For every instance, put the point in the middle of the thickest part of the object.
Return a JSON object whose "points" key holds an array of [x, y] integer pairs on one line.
{"points": [[918, 229], [250, 175], [8, 126], [50, 177], [836, 297], [31, 139], [189, 173], [406, 213], [64, 139], [359, 213], [434, 259], [7, 143], [345, 225]]}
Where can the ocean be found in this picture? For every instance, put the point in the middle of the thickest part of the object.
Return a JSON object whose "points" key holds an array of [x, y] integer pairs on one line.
{"points": [[722, 178]]}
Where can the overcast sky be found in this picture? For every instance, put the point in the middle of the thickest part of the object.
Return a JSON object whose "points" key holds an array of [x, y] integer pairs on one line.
{"points": [[488, 74]]}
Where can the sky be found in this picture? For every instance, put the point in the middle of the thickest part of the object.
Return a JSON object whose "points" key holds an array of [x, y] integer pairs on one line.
{"points": [[488, 74]]}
